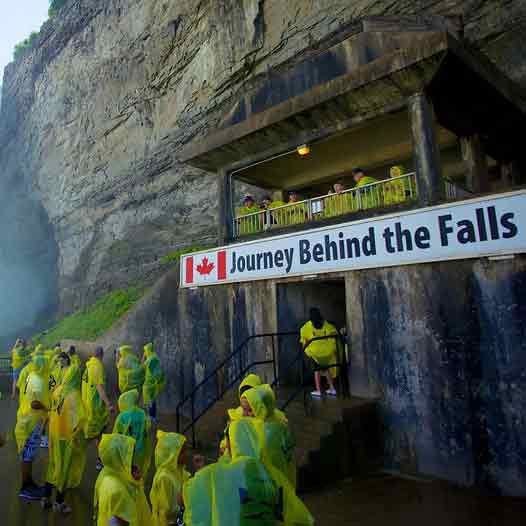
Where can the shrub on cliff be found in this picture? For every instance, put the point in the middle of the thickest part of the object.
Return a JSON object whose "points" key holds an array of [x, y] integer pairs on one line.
{"points": [[88, 324], [54, 7], [174, 257]]}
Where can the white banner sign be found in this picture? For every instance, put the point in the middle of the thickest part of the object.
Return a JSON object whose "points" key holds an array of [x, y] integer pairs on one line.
{"points": [[480, 227]]}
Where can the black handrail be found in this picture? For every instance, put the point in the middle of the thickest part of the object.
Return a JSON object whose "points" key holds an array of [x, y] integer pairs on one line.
{"points": [[242, 372], [342, 364]]}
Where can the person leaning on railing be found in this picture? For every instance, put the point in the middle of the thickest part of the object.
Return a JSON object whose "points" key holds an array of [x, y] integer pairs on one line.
{"points": [[250, 224], [268, 204], [367, 197], [341, 202], [399, 190], [299, 213]]}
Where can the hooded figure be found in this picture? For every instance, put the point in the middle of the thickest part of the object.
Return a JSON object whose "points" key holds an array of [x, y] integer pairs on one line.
{"points": [[154, 378], [118, 495], [239, 493], [131, 372], [133, 422], [67, 445], [169, 478], [277, 442], [252, 380], [20, 355], [97, 414], [35, 389]]}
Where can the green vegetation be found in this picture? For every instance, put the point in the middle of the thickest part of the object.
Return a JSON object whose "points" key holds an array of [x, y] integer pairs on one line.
{"points": [[90, 323], [173, 257], [29, 42]]}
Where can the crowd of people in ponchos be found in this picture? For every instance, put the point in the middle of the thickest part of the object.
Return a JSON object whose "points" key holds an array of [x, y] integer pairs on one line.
{"points": [[64, 405], [338, 201]]}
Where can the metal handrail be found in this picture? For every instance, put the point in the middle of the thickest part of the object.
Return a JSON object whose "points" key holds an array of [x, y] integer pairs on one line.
{"points": [[243, 371], [352, 200]]}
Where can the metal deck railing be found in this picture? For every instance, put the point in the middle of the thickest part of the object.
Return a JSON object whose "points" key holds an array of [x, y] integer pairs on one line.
{"points": [[376, 195]]}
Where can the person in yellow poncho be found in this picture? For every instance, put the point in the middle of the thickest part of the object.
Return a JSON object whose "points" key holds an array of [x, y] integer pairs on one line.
{"points": [[324, 352], [133, 422], [277, 442], [250, 381], [154, 380], [248, 220], [370, 196], [171, 475], [31, 418], [119, 498], [236, 493], [130, 370], [20, 357], [67, 445], [340, 202]]}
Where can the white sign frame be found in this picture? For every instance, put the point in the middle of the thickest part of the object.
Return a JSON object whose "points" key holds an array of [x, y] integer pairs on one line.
{"points": [[215, 257]]}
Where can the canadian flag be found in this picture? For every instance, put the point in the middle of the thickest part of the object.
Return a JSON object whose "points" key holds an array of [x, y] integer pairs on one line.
{"points": [[205, 267]]}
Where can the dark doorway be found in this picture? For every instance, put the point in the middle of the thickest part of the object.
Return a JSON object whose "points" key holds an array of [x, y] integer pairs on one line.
{"points": [[294, 302]]}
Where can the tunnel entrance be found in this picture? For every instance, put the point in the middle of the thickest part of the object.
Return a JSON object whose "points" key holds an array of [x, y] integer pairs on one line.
{"points": [[294, 301]]}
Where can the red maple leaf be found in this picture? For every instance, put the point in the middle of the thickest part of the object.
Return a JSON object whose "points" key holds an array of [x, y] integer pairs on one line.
{"points": [[205, 267]]}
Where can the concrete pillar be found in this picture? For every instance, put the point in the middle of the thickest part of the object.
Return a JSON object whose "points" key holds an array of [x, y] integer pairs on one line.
{"points": [[477, 178], [509, 174], [425, 150], [226, 216]]}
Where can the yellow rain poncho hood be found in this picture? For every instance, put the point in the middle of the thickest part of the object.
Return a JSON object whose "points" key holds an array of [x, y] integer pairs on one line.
{"points": [[131, 372], [276, 440], [67, 446], [20, 355], [169, 478], [325, 351], [250, 381], [35, 389], [117, 494], [238, 493], [97, 414], [133, 422], [154, 379]]}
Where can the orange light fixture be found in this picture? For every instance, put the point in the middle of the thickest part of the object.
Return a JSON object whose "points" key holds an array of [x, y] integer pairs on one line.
{"points": [[303, 150]]}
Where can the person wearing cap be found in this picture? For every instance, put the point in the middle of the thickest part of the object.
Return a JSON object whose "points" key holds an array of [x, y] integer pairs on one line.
{"points": [[340, 202], [367, 197], [250, 224], [297, 212], [267, 203]]}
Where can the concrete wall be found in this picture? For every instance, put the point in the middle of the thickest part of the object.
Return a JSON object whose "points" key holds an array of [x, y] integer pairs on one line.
{"points": [[443, 348]]}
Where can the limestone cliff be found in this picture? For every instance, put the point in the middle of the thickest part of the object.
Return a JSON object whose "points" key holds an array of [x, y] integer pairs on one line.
{"points": [[92, 194]]}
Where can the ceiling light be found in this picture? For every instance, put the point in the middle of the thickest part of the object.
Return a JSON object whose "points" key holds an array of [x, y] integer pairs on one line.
{"points": [[303, 150]]}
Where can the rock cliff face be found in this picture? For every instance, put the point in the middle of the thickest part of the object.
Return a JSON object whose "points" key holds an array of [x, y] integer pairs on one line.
{"points": [[92, 194]]}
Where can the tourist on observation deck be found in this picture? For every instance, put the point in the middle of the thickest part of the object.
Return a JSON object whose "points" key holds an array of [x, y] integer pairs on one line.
{"points": [[340, 202], [370, 196], [252, 223], [267, 203], [298, 213]]}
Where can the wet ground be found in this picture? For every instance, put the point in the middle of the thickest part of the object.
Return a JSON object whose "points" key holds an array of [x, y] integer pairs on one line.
{"points": [[379, 500]]}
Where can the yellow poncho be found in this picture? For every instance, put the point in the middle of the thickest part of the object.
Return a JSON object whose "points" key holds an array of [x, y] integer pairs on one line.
{"points": [[131, 372], [117, 494], [323, 352], [169, 478], [67, 445], [277, 444], [238, 493], [35, 389], [252, 380], [154, 378], [97, 415], [20, 355], [133, 422]]}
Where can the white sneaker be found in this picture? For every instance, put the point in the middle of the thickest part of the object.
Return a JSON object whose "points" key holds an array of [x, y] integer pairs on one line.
{"points": [[316, 394], [332, 392]]}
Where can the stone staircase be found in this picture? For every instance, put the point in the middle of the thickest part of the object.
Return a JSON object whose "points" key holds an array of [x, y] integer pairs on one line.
{"points": [[335, 438]]}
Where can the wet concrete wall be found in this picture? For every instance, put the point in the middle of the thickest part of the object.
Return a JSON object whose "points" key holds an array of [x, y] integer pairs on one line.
{"points": [[442, 346]]}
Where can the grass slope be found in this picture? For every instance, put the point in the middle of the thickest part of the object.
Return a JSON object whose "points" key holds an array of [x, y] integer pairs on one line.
{"points": [[90, 323]]}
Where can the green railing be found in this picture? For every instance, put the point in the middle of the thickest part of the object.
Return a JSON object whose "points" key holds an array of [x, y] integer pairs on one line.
{"points": [[5, 364]]}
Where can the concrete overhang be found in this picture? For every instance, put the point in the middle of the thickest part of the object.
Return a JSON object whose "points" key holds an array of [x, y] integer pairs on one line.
{"points": [[367, 74]]}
